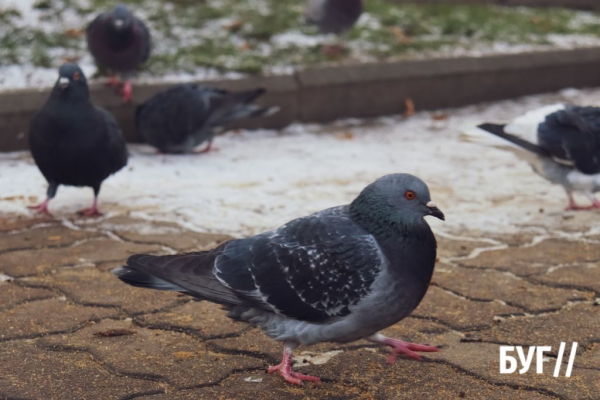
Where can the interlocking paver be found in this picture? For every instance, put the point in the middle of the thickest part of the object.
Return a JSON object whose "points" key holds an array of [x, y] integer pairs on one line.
{"points": [[47, 236], [26, 371], [581, 276], [31, 262], [46, 316], [12, 294], [91, 286], [168, 356], [459, 312], [532, 260], [206, 319], [497, 285]]}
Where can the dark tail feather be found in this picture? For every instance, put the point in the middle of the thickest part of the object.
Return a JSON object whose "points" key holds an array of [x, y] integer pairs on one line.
{"points": [[498, 130], [142, 279], [239, 105]]}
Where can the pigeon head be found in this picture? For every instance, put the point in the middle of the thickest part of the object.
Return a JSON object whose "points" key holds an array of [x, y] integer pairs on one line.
{"points": [[71, 82], [394, 201], [121, 18]]}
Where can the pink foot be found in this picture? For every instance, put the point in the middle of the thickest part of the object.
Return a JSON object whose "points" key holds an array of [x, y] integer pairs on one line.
{"points": [[208, 149], [93, 211], [400, 347], [42, 208], [285, 369], [127, 92]]}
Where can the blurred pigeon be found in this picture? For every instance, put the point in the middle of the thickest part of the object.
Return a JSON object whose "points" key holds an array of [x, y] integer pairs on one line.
{"points": [[119, 42], [72, 142], [562, 144], [185, 116], [338, 275], [334, 16]]}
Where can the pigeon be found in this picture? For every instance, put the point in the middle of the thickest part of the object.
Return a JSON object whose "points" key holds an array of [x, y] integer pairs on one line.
{"points": [[119, 42], [334, 17], [74, 143], [181, 118], [562, 144], [338, 275]]}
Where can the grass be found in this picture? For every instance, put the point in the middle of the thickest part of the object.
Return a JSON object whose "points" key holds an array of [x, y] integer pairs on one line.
{"points": [[237, 35]]}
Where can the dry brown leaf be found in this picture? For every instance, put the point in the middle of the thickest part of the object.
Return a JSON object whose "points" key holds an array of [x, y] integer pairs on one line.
{"points": [[345, 136], [410, 108]]}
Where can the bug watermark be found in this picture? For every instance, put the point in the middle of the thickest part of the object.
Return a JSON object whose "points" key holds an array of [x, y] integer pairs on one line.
{"points": [[509, 363]]}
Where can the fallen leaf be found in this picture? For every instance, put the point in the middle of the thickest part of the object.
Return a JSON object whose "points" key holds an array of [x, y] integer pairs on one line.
{"points": [[345, 136], [234, 26], [439, 117], [410, 108], [400, 35], [74, 33]]}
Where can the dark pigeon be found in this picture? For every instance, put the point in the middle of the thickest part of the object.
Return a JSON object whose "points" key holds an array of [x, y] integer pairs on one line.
{"points": [[339, 275], [567, 151], [120, 43], [333, 16], [74, 143], [185, 116]]}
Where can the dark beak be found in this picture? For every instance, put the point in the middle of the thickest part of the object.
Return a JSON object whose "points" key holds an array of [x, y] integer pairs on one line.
{"points": [[435, 211]]}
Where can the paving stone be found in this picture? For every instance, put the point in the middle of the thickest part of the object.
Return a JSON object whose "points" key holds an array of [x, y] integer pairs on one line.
{"points": [[590, 357], [31, 262], [458, 312], [526, 261], [26, 371], [48, 236], [17, 223], [458, 248], [578, 323], [496, 285], [167, 356], [12, 294], [90, 286], [583, 276], [482, 360], [204, 318], [244, 386], [47, 316], [167, 234]]}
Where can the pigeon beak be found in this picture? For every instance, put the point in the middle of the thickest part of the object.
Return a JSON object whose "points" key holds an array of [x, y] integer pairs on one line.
{"points": [[63, 82], [119, 23], [435, 211]]}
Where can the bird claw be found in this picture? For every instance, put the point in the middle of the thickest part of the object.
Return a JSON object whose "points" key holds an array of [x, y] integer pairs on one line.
{"points": [[410, 350], [41, 208], [290, 376]]}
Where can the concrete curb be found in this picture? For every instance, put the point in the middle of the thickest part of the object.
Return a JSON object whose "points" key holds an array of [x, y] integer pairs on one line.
{"points": [[368, 90]]}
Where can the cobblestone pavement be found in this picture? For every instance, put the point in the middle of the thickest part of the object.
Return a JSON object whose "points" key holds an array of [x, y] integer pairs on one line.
{"points": [[70, 330]]}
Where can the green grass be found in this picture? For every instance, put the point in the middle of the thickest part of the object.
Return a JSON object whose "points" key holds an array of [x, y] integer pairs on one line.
{"points": [[235, 35]]}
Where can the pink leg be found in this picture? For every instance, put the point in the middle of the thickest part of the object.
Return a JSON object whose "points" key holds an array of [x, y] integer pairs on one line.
{"points": [[93, 211], [127, 92], [400, 347], [594, 200], [42, 207], [573, 206], [207, 149], [285, 368]]}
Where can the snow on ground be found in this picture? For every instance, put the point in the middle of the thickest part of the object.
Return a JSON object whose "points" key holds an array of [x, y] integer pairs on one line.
{"points": [[258, 180]]}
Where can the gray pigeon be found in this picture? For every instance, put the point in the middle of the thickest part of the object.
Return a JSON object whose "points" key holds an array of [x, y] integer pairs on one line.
{"points": [[181, 118], [338, 275], [566, 152], [119, 42], [333, 16], [74, 143]]}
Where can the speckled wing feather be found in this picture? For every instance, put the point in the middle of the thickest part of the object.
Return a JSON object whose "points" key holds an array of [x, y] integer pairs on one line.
{"points": [[573, 135], [312, 269]]}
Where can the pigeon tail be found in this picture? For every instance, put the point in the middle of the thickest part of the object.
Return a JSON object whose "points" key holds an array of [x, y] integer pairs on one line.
{"points": [[239, 105], [498, 130], [142, 279]]}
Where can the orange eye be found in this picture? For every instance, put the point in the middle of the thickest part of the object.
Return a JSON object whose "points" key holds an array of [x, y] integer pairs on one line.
{"points": [[76, 76], [410, 195]]}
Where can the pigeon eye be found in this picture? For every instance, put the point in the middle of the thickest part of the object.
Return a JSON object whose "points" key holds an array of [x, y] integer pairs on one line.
{"points": [[410, 195], [76, 76]]}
